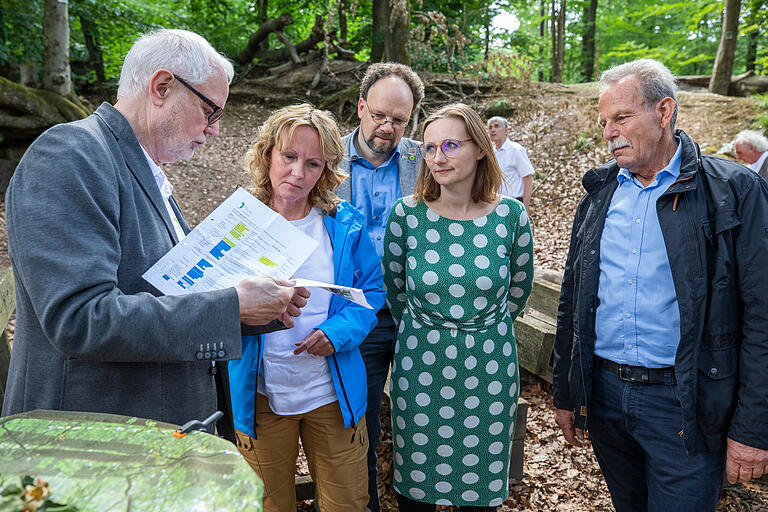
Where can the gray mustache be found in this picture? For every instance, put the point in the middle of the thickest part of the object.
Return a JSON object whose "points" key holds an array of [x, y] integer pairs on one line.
{"points": [[615, 144]]}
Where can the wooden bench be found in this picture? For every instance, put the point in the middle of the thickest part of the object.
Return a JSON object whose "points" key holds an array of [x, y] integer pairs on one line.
{"points": [[7, 307]]}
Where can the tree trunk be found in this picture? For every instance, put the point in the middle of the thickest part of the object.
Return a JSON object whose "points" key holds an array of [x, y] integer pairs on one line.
{"points": [[28, 75], [558, 39], [542, 33], [56, 73], [398, 33], [342, 20], [588, 41], [553, 34], [94, 49], [261, 34], [283, 54], [721, 72], [379, 29], [752, 36], [263, 7], [596, 66]]}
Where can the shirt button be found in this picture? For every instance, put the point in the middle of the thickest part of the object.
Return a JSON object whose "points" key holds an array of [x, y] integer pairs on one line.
{"points": [[378, 238], [628, 315], [634, 251], [629, 346], [637, 221], [376, 194]]}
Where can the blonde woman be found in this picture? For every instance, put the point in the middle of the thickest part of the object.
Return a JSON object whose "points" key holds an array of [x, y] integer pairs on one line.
{"points": [[454, 254], [309, 381]]}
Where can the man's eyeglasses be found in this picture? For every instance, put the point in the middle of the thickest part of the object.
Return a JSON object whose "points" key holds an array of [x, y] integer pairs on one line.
{"points": [[381, 119], [449, 147], [217, 110]]}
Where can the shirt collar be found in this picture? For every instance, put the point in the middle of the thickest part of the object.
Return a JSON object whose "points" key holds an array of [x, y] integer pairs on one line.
{"points": [[355, 156], [756, 166], [166, 189], [505, 145], [672, 168]]}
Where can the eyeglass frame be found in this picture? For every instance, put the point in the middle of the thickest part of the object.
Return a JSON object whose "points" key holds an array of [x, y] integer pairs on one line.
{"points": [[394, 122], [460, 143], [217, 110]]}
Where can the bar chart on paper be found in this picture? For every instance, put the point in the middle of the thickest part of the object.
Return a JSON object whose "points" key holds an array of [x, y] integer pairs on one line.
{"points": [[242, 237]]}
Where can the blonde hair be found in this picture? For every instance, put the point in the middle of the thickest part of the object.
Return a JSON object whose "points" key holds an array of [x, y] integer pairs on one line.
{"points": [[488, 175], [277, 131]]}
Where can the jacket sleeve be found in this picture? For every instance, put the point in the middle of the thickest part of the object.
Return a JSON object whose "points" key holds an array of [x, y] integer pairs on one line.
{"points": [[348, 327], [565, 313], [749, 425], [393, 262]]}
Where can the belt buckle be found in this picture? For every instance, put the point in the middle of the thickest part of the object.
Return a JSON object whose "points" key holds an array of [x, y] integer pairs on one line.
{"points": [[629, 373]]}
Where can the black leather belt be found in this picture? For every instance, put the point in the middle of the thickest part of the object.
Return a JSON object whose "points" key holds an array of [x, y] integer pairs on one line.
{"points": [[639, 374]]}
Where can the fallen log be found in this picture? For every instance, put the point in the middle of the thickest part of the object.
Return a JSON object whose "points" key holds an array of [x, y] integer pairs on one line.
{"points": [[741, 85]]}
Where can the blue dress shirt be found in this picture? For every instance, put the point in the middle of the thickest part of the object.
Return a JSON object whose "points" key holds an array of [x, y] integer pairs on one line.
{"points": [[638, 318], [373, 191]]}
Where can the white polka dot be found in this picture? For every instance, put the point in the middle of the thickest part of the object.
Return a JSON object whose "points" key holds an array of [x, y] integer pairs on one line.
{"points": [[471, 421], [519, 276], [471, 382], [398, 477], [432, 235], [432, 215], [456, 229], [425, 379], [481, 221], [511, 369], [494, 387], [443, 487], [418, 458], [395, 267], [428, 357], [501, 251], [496, 428], [447, 392], [484, 282], [398, 459], [470, 478], [501, 230], [398, 282], [523, 218], [432, 298], [516, 292], [492, 367], [406, 363], [399, 440], [496, 447], [470, 362], [470, 459], [412, 221], [496, 466], [456, 290], [471, 402], [488, 346], [495, 408], [502, 210], [431, 256], [444, 450], [523, 259], [513, 389], [507, 349], [396, 230], [456, 270], [411, 285], [513, 307], [451, 352], [418, 476], [433, 336], [456, 250], [443, 469], [401, 403], [469, 496], [411, 342], [524, 240], [446, 412], [400, 422], [482, 262], [495, 502], [503, 272], [399, 210], [445, 432], [443, 501], [469, 341], [423, 399], [402, 382], [496, 485], [429, 277], [409, 201], [480, 303], [457, 311], [449, 372], [480, 241], [420, 439], [416, 493], [395, 249], [502, 329]]}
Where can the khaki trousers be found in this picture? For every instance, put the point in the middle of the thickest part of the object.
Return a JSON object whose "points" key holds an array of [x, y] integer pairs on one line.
{"points": [[336, 463]]}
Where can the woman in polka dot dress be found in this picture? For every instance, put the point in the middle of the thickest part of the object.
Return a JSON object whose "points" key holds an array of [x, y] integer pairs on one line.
{"points": [[454, 253]]}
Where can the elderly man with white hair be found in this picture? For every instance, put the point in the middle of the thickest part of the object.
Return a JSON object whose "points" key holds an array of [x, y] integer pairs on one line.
{"points": [[751, 147], [662, 333], [513, 160], [89, 209]]}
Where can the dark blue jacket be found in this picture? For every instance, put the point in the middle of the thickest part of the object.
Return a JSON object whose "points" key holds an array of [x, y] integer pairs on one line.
{"points": [[714, 220]]}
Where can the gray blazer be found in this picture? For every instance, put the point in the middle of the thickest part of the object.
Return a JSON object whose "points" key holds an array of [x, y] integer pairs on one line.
{"points": [[85, 219], [408, 166]]}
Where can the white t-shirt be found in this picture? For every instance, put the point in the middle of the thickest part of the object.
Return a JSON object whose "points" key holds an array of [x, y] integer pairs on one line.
{"points": [[514, 163], [295, 384]]}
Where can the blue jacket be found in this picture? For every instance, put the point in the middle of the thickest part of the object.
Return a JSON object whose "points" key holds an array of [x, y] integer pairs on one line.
{"points": [[355, 264]]}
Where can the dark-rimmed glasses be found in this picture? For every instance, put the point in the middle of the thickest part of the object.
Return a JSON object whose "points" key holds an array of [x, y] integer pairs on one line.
{"points": [[381, 119], [217, 110], [449, 147]]}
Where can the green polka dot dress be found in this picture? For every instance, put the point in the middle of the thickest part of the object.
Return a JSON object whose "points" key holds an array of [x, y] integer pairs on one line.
{"points": [[454, 382]]}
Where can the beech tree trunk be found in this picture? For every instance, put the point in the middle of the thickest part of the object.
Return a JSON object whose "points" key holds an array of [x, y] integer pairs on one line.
{"points": [[261, 34], [379, 29], [721, 72], [542, 33], [558, 40], [342, 20], [588, 41], [94, 49], [398, 33], [56, 72]]}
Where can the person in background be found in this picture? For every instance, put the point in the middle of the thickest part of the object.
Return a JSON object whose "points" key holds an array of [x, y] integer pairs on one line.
{"points": [[383, 165], [309, 381], [513, 160], [458, 268], [751, 147]]}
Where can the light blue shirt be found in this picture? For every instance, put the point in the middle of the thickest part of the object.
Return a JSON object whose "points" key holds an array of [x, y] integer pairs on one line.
{"points": [[638, 318], [373, 191]]}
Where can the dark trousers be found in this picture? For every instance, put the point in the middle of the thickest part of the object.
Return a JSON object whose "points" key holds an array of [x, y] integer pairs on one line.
{"points": [[408, 505], [635, 431], [377, 351]]}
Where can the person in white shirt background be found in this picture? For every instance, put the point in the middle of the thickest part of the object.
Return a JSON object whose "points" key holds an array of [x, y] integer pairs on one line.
{"points": [[513, 160], [751, 147]]}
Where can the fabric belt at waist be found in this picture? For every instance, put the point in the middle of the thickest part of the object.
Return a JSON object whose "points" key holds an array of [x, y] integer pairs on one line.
{"points": [[641, 374]]}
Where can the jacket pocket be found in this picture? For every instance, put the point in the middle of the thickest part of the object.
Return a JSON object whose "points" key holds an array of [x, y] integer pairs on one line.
{"points": [[718, 383]]}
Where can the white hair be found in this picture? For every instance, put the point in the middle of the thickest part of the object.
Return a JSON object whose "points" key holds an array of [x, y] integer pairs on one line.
{"points": [[498, 119], [181, 52], [754, 138], [656, 81]]}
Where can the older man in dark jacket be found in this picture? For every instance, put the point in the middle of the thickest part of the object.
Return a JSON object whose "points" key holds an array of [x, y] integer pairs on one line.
{"points": [[662, 342]]}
